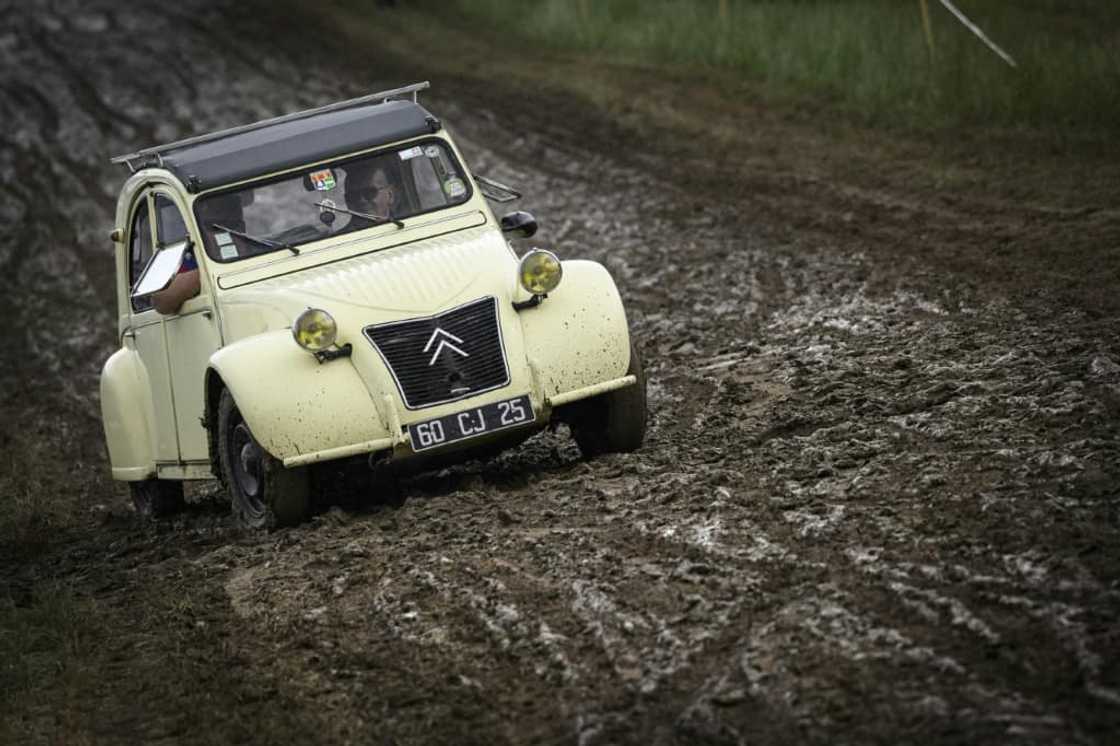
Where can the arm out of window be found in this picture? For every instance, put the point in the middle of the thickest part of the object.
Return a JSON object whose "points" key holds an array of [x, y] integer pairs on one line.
{"points": [[185, 285]]}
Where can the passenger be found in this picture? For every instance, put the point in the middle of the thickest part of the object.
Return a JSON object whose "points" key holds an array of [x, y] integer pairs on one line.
{"points": [[224, 209]]}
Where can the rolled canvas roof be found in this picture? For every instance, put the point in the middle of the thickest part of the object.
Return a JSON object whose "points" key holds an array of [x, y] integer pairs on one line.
{"points": [[288, 144]]}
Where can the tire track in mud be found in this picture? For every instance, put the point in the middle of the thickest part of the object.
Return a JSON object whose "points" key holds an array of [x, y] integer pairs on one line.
{"points": [[856, 624], [838, 313], [872, 504]]}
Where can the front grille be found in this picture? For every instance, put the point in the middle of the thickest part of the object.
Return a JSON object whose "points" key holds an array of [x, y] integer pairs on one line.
{"points": [[439, 359]]}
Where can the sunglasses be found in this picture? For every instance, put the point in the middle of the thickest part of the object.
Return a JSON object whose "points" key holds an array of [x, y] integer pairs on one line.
{"points": [[371, 191]]}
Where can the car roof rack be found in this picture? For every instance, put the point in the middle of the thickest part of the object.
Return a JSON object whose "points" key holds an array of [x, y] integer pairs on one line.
{"points": [[380, 96]]}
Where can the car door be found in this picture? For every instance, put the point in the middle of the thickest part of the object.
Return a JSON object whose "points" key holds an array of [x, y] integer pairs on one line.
{"points": [[145, 335], [192, 336]]}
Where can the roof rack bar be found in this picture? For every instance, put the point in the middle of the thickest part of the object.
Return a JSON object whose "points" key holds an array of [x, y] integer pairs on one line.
{"points": [[414, 89]]}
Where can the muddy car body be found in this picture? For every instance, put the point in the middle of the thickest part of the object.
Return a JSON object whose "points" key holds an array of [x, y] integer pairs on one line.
{"points": [[406, 333]]}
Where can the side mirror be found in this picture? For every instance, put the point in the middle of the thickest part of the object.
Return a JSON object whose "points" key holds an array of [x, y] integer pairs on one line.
{"points": [[161, 270], [521, 224]]}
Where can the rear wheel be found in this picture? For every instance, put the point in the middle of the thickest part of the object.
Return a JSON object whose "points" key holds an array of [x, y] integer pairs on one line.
{"points": [[614, 422], [263, 494], [157, 498]]}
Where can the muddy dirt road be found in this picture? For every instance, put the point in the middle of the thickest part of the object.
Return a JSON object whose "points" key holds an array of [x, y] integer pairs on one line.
{"points": [[879, 499]]}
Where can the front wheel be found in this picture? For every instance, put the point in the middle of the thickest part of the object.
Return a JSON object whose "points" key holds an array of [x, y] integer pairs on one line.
{"points": [[263, 494], [614, 422]]}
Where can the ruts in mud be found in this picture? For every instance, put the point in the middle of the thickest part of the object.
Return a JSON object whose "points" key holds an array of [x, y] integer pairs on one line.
{"points": [[873, 504]]}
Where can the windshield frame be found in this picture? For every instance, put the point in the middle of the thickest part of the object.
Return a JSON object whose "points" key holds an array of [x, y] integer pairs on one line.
{"points": [[206, 233]]}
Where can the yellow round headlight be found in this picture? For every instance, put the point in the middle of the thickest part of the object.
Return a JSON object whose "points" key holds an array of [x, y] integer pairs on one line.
{"points": [[315, 330], [540, 272]]}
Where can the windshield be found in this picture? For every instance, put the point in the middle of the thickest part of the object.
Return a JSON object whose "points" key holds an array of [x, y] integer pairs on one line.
{"points": [[330, 200]]}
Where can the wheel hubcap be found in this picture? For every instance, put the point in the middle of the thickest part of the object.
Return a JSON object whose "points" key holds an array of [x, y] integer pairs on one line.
{"points": [[248, 465]]}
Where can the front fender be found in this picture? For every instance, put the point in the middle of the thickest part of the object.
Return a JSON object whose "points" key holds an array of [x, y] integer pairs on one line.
{"points": [[578, 336], [293, 404], [127, 416]]}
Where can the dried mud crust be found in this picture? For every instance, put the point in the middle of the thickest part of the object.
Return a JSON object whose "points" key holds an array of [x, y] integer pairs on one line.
{"points": [[877, 500]]}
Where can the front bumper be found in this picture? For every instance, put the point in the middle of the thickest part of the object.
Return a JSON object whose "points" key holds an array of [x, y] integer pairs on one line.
{"points": [[399, 442]]}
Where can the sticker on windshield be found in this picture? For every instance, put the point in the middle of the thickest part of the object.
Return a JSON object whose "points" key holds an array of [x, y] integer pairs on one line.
{"points": [[432, 151], [223, 238], [454, 188], [323, 181], [411, 153], [228, 251]]}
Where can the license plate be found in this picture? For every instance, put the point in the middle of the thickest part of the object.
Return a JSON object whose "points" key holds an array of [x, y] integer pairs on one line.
{"points": [[471, 423]]}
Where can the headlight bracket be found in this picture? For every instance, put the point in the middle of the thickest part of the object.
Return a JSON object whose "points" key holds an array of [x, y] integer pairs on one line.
{"points": [[334, 353], [533, 302]]}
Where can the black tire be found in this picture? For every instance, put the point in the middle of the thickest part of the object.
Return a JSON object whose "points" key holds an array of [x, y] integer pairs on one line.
{"points": [[614, 422], [157, 498], [263, 494]]}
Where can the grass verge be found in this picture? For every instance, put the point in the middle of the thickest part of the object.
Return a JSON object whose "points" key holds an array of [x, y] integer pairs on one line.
{"points": [[48, 640], [41, 500], [869, 57]]}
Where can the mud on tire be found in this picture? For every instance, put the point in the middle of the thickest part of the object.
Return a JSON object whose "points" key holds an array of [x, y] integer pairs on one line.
{"points": [[263, 494], [614, 422]]}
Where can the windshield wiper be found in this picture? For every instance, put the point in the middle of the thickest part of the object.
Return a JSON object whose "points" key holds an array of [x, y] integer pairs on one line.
{"points": [[375, 219], [267, 242]]}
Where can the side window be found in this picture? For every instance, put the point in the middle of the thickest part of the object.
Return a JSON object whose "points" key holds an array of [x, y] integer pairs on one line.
{"points": [[139, 252], [170, 227]]}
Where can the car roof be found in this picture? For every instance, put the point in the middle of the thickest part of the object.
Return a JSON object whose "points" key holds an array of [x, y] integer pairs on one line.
{"points": [[219, 158], [287, 144]]}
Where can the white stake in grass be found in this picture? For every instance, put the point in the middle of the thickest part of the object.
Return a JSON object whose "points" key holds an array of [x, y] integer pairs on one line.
{"points": [[976, 30]]}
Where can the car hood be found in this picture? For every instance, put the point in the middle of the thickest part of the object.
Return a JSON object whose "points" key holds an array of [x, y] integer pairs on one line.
{"points": [[418, 279]]}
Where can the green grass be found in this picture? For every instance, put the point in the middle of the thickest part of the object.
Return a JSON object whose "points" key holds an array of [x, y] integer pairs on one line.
{"points": [[49, 643], [45, 490], [869, 56], [41, 637], [48, 631]]}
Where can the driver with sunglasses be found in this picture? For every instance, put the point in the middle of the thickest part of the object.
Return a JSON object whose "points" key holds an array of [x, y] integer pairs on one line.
{"points": [[369, 190]]}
